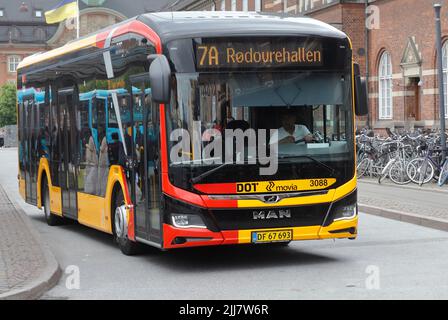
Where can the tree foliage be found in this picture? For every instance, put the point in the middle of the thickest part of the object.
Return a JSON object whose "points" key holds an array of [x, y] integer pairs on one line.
{"points": [[8, 94]]}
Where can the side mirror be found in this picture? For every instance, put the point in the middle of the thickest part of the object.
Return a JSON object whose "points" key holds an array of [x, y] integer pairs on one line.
{"points": [[361, 101], [159, 77]]}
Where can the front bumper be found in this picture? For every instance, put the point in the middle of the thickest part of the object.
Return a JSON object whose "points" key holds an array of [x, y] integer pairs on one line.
{"points": [[194, 237]]}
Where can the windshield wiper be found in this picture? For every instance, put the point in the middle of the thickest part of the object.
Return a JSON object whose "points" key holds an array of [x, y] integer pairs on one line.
{"points": [[320, 163], [205, 174]]}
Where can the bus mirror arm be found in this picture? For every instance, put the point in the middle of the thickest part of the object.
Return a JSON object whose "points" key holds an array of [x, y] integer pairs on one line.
{"points": [[160, 78]]}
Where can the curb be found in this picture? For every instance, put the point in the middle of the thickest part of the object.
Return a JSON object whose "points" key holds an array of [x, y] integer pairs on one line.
{"points": [[424, 221], [410, 187], [48, 278]]}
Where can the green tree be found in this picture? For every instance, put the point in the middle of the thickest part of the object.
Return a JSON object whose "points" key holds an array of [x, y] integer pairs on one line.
{"points": [[8, 102]]}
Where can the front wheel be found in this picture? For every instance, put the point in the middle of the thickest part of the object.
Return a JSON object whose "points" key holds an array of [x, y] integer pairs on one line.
{"points": [[120, 227], [52, 219]]}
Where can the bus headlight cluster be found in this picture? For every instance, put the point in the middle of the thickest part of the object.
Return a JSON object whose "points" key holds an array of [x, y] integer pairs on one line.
{"points": [[343, 209], [181, 220], [346, 212]]}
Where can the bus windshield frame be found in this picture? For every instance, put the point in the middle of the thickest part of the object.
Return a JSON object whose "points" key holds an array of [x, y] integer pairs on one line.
{"points": [[271, 96]]}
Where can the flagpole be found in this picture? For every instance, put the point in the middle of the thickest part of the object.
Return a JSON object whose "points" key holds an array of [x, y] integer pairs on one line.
{"points": [[77, 21]]}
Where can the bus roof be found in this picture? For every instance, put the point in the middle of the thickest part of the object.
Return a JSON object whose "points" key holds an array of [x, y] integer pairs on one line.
{"points": [[191, 24], [182, 24]]}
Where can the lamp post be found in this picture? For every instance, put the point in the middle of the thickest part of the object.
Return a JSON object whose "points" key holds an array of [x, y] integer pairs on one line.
{"points": [[437, 8]]}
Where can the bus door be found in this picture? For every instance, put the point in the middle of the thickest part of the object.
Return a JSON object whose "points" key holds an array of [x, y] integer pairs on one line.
{"points": [[29, 122], [146, 186], [67, 168]]}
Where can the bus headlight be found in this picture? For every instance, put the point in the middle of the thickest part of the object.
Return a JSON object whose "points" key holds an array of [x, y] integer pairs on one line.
{"points": [[343, 209], [346, 212], [181, 220]]}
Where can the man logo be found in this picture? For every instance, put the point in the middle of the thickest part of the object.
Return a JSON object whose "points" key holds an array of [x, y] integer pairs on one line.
{"points": [[271, 214], [271, 199]]}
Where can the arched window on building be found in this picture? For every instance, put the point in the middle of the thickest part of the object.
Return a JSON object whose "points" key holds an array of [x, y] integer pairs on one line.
{"points": [[385, 87], [445, 75]]}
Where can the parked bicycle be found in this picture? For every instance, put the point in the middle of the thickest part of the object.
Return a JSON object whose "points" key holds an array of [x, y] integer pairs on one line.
{"points": [[403, 158]]}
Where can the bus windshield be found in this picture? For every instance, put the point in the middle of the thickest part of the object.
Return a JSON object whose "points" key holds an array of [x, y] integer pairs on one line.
{"points": [[308, 114]]}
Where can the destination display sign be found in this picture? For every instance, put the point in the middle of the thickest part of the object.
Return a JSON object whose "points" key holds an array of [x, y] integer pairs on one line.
{"points": [[212, 54]]}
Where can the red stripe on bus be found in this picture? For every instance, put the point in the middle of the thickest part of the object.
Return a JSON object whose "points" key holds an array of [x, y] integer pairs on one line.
{"points": [[197, 237], [131, 226], [134, 27], [167, 187], [230, 237], [178, 193]]}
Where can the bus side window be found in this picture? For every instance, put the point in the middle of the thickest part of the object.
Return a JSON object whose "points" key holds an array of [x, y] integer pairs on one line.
{"points": [[91, 164], [85, 136], [21, 130], [54, 163], [103, 156], [44, 126]]}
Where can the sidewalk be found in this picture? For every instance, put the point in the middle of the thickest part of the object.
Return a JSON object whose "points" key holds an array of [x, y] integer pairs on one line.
{"points": [[27, 267], [426, 205]]}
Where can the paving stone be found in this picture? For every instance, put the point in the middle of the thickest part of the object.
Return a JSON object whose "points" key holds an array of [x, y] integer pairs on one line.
{"points": [[430, 201], [21, 256]]}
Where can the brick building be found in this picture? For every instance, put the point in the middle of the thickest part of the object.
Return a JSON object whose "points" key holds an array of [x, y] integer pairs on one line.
{"points": [[23, 30], [397, 52]]}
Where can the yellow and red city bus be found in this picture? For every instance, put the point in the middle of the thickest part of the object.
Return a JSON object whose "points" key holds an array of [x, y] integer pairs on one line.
{"points": [[115, 130]]}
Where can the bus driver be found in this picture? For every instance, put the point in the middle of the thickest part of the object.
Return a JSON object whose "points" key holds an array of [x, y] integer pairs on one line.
{"points": [[290, 132]]}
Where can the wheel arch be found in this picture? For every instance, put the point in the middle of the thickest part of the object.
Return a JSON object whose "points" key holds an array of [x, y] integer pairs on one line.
{"points": [[117, 182], [43, 174]]}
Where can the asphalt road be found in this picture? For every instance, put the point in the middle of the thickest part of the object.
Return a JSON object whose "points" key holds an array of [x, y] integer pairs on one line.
{"points": [[389, 260]]}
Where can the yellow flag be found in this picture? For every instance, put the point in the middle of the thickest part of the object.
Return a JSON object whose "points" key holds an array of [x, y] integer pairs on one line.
{"points": [[64, 10]]}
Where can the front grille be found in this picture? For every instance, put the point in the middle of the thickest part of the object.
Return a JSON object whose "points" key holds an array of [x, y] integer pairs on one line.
{"points": [[240, 219]]}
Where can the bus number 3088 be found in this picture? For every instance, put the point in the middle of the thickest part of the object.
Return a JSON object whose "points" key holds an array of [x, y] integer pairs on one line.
{"points": [[318, 182]]}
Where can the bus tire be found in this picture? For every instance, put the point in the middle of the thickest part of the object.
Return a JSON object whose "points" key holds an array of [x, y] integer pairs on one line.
{"points": [[52, 219], [127, 246]]}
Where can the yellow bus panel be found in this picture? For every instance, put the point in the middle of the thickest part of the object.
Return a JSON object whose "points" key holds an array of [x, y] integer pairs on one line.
{"points": [[22, 188], [56, 200], [92, 212]]}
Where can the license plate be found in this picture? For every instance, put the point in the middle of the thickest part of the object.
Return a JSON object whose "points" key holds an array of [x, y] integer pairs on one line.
{"points": [[271, 236]]}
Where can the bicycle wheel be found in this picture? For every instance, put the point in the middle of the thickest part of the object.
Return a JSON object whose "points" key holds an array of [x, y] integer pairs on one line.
{"points": [[420, 171], [363, 168], [384, 173], [443, 176], [398, 174]]}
